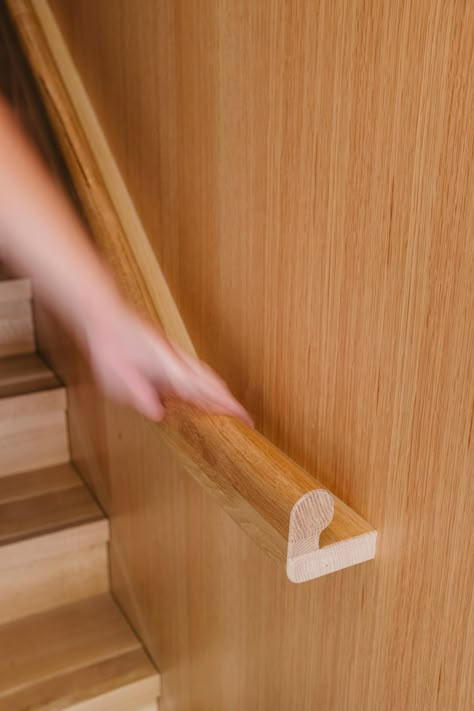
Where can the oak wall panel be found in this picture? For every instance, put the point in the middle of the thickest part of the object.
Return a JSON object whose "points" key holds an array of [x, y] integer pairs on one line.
{"points": [[305, 173]]}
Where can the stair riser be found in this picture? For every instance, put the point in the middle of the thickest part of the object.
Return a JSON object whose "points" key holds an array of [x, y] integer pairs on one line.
{"points": [[33, 442], [50, 582], [38, 403], [135, 697], [62, 637], [16, 328], [65, 542]]}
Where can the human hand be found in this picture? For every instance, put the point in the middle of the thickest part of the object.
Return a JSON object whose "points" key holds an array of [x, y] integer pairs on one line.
{"points": [[40, 235], [136, 364]]}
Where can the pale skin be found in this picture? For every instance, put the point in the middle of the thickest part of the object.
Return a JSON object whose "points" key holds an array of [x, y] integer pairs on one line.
{"points": [[41, 236]]}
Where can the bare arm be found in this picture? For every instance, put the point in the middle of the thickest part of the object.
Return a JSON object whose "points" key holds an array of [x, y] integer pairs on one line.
{"points": [[41, 235]]}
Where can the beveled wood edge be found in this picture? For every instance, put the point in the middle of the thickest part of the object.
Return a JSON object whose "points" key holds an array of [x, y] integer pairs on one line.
{"points": [[306, 559], [289, 514]]}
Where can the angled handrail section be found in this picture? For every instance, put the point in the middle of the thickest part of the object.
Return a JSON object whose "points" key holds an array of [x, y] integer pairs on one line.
{"points": [[290, 515]]}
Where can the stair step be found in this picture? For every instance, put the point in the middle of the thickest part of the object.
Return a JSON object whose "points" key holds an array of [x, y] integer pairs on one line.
{"points": [[16, 317], [64, 644], [46, 512], [53, 542], [33, 431], [23, 374], [80, 656], [60, 542], [30, 484]]}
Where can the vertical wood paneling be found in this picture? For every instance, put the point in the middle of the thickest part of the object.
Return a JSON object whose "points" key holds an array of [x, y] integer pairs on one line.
{"points": [[305, 173]]}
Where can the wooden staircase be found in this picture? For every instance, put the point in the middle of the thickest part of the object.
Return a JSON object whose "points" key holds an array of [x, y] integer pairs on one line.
{"points": [[64, 643]]}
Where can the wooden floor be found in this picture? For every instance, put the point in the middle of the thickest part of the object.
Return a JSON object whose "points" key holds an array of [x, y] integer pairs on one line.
{"points": [[64, 642]]}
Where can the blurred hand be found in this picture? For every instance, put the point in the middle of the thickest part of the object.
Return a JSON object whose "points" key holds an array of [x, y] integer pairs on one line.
{"points": [[136, 364], [40, 235]]}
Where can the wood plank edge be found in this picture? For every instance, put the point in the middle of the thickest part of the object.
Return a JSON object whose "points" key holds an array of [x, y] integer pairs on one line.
{"points": [[349, 539], [138, 693], [9, 494], [331, 558], [52, 544]]}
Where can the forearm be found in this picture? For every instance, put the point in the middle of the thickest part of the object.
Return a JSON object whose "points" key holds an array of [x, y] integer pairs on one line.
{"points": [[41, 235]]}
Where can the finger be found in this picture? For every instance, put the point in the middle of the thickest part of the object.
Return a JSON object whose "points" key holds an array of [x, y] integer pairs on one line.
{"points": [[207, 391], [143, 396], [233, 410], [194, 381]]}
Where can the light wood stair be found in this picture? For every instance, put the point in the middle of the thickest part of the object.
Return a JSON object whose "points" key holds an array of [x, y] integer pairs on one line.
{"points": [[33, 428], [64, 643], [16, 318]]}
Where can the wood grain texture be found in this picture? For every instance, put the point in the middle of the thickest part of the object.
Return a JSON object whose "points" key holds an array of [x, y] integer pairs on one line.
{"points": [[120, 683], [41, 547], [36, 585], [25, 374], [78, 635], [291, 516], [136, 695], [33, 441], [33, 429], [28, 484], [89, 651], [36, 403], [36, 507], [39, 513], [304, 171], [259, 487]]}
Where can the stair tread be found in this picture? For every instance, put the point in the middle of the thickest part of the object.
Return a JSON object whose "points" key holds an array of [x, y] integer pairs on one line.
{"points": [[89, 682], [26, 373], [67, 655], [39, 481], [57, 500]]}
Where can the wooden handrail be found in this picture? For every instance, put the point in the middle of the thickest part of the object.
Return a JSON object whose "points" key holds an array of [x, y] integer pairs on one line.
{"points": [[289, 514]]}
